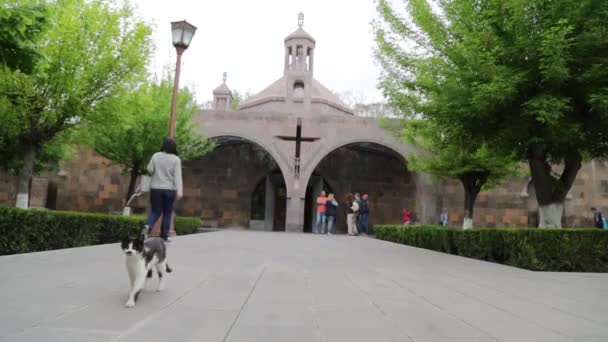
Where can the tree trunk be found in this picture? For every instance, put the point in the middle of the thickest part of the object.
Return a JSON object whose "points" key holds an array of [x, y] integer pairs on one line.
{"points": [[25, 173], [550, 191], [132, 181], [472, 184], [550, 215]]}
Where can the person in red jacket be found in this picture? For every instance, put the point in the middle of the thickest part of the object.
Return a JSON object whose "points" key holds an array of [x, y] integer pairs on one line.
{"points": [[320, 226], [407, 217]]}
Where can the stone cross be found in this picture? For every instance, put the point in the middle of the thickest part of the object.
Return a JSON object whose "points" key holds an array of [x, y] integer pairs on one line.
{"points": [[298, 138]]}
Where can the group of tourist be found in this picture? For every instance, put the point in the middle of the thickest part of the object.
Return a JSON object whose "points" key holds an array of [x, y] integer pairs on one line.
{"points": [[357, 216]]}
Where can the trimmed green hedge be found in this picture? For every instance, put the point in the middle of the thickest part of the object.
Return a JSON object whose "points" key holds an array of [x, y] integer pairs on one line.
{"points": [[571, 250], [23, 231]]}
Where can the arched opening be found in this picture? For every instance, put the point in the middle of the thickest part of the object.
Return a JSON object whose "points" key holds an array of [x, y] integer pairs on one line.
{"points": [[238, 184], [298, 89], [368, 168], [268, 203]]}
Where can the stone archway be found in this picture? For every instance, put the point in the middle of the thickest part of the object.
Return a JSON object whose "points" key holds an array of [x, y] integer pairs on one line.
{"points": [[263, 143], [372, 136], [327, 133], [367, 167], [221, 185]]}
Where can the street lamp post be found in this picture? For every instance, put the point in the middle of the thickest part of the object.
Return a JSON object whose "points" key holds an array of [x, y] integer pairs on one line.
{"points": [[182, 33]]}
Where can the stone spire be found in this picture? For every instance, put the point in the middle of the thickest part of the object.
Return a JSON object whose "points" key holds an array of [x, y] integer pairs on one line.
{"points": [[222, 95], [299, 49], [299, 62]]}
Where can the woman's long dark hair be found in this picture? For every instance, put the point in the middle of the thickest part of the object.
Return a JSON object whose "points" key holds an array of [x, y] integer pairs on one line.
{"points": [[169, 146], [350, 199]]}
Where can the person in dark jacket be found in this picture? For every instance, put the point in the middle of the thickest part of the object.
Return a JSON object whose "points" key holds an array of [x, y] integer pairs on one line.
{"points": [[331, 209], [363, 216], [598, 218]]}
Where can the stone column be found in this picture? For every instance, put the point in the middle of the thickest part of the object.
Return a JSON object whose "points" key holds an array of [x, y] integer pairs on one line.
{"points": [[311, 61], [269, 206], [294, 216], [308, 89], [296, 196], [294, 56], [286, 59]]}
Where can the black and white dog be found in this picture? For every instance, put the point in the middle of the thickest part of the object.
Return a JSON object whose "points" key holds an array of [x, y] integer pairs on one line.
{"points": [[143, 254]]}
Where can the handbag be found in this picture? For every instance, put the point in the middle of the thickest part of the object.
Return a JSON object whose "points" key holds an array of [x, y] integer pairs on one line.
{"points": [[144, 184]]}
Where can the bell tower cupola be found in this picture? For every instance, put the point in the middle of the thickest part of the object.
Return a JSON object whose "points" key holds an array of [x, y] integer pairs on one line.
{"points": [[222, 96], [299, 49], [299, 64]]}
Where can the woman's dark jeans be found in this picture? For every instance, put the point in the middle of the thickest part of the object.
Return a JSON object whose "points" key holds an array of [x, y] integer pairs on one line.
{"points": [[161, 201]]}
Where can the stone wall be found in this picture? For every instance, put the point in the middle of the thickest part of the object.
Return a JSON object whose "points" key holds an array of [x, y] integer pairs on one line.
{"points": [[8, 189], [219, 186], [86, 183], [513, 203], [91, 183]]}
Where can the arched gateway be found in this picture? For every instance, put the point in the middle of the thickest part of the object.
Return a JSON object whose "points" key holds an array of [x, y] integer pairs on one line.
{"points": [[299, 123]]}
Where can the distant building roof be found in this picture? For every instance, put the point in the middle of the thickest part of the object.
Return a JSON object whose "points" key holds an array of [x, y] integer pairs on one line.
{"points": [[300, 33], [222, 89], [277, 91]]}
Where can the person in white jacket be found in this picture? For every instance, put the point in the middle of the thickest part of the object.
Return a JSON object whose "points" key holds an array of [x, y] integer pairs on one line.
{"points": [[165, 169], [352, 207]]}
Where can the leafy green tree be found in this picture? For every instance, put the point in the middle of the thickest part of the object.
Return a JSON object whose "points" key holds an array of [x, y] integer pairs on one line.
{"points": [[21, 24], [129, 130], [450, 154], [529, 77], [238, 98], [91, 48]]}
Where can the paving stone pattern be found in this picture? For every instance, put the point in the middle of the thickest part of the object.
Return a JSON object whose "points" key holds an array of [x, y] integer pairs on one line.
{"points": [[263, 286]]}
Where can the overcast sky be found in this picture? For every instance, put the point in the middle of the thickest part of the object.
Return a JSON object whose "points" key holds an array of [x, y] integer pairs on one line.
{"points": [[245, 39]]}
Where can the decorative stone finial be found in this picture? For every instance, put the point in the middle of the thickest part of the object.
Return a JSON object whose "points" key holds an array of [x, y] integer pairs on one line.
{"points": [[301, 19], [225, 76]]}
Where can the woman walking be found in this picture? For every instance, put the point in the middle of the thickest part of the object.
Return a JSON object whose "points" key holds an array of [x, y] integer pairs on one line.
{"points": [[331, 208], [165, 168], [353, 207]]}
